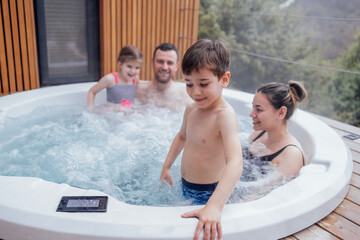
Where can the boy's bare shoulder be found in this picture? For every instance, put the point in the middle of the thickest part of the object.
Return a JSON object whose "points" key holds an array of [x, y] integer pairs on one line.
{"points": [[226, 115], [225, 109], [190, 107]]}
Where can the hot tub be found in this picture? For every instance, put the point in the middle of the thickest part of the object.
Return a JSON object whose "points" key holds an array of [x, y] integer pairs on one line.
{"points": [[28, 205]]}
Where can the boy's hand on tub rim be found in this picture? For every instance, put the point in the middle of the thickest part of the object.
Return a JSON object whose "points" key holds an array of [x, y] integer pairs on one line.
{"points": [[209, 220]]}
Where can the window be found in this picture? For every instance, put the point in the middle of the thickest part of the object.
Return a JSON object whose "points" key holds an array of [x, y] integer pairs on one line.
{"points": [[68, 41]]}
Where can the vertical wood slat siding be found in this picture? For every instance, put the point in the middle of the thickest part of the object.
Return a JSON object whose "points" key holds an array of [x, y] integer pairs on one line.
{"points": [[9, 49], [105, 30], [16, 45], [31, 37], [18, 54], [24, 55], [181, 28], [149, 40], [145, 24], [3, 64], [113, 32], [143, 29]]}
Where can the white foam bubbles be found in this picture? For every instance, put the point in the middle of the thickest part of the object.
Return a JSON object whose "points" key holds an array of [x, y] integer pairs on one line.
{"points": [[119, 153]]}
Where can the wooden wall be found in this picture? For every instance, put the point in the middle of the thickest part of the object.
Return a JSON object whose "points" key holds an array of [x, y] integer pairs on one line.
{"points": [[18, 54], [145, 24]]}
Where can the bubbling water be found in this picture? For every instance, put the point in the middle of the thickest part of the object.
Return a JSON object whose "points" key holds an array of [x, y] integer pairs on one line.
{"points": [[118, 153]]}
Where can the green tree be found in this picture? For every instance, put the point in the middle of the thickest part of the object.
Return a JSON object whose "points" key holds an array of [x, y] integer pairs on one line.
{"points": [[209, 21], [346, 87], [243, 26]]}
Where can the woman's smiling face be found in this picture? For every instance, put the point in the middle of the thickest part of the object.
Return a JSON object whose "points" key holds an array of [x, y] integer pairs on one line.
{"points": [[263, 114]]}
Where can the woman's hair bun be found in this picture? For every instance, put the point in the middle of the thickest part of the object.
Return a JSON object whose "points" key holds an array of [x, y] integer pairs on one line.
{"points": [[297, 91]]}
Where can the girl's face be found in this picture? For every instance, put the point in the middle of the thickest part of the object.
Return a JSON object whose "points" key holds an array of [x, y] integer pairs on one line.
{"points": [[129, 70], [263, 114], [204, 87]]}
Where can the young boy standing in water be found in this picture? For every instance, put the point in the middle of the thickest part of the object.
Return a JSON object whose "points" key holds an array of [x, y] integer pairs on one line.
{"points": [[211, 161]]}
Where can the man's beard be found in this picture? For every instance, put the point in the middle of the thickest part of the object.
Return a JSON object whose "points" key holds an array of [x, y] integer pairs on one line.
{"points": [[161, 80]]}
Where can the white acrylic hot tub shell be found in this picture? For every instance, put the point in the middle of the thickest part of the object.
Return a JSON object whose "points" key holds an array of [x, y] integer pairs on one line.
{"points": [[28, 205]]}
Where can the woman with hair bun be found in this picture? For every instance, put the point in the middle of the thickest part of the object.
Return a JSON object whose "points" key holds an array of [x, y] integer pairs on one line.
{"points": [[273, 104]]}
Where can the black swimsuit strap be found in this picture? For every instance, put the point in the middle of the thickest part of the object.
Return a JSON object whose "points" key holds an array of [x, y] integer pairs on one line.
{"points": [[302, 155], [259, 136], [274, 155]]}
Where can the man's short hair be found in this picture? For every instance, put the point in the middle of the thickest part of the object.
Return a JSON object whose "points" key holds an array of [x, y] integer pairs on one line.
{"points": [[167, 47]]}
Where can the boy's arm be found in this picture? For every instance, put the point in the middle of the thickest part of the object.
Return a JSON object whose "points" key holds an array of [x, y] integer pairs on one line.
{"points": [[176, 147], [210, 216]]}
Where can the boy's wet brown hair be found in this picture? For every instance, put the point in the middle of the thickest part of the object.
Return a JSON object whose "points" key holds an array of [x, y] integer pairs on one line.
{"points": [[129, 53], [206, 53]]}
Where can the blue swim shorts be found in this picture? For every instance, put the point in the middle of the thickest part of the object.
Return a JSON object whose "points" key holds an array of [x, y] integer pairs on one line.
{"points": [[198, 193]]}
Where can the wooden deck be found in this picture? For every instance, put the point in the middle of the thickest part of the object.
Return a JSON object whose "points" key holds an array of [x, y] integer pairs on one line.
{"points": [[344, 221]]}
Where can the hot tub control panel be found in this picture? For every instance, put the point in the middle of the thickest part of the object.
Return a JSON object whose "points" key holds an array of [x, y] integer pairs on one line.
{"points": [[83, 204]]}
